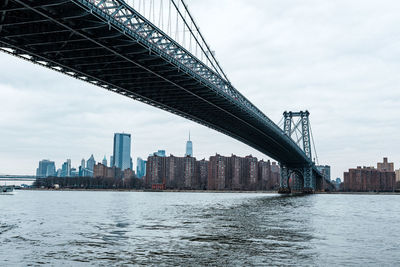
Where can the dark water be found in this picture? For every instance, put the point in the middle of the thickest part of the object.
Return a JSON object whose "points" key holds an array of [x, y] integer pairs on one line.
{"points": [[191, 229]]}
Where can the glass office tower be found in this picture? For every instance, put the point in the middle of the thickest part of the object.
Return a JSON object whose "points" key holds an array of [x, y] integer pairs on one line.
{"points": [[122, 151]]}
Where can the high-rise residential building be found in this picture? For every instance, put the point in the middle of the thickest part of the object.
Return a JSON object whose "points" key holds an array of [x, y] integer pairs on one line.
{"points": [[104, 162], [122, 151], [111, 161], [265, 177], [189, 172], [173, 172], [83, 163], [189, 148], [219, 173], [140, 167], [369, 179], [251, 172], [46, 168], [385, 166], [156, 170], [238, 176], [203, 174]]}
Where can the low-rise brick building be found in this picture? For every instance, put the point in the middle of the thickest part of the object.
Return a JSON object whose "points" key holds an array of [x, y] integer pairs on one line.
{"points": [[102, 171]]}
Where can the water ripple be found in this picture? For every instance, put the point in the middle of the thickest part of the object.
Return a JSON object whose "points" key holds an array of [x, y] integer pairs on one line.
{"points": [[189, 229]]}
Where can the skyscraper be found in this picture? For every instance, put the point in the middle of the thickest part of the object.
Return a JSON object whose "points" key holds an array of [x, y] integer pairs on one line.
{"points": [[140, 167], [46, 168], [122, 151], [66, 169], [90, 166], [69, 167], [104, 162], [189, 148], [82, 168]]}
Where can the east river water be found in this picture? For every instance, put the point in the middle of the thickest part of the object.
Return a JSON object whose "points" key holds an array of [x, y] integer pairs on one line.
{"points": [[194, 229]]}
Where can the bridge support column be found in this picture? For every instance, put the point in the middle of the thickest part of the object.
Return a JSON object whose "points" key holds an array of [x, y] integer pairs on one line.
{"points": [[309, 180], [284, 187], [298, 183]]}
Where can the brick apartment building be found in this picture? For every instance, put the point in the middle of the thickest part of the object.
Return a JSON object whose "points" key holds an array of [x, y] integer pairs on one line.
{"points": [[102, 171], [219, 173], [366, 179]]}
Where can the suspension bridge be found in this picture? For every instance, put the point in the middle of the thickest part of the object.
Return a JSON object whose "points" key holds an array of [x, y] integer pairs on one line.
{"points": [[153, 52]]}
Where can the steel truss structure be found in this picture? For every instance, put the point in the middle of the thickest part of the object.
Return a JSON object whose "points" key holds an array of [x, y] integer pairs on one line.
{"points": [[298, 124], [109, 44]]}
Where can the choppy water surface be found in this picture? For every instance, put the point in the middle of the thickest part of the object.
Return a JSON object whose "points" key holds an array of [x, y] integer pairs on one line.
{"points": [[122, 228]]}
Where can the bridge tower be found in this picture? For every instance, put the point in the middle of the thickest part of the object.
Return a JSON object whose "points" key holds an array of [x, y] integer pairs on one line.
{"points": [[296, 125]]}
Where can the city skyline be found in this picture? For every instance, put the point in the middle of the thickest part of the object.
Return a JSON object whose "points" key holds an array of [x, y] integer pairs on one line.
{"points": [[199, 133], [43, 171], [328, 65]]}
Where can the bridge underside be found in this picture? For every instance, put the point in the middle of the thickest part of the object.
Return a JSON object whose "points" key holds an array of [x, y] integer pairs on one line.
{"points": [[65, 36]]}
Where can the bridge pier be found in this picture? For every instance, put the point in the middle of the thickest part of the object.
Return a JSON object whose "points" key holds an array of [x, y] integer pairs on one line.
{"points": [[298, 182], [284, 187], [309, 180], [304, 180]]}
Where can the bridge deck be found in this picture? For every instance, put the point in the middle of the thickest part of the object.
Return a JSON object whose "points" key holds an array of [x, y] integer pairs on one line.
{"points": [[69, 37]]}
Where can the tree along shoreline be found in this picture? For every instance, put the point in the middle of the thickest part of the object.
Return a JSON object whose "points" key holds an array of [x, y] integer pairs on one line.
{"points": [[88, 183]]}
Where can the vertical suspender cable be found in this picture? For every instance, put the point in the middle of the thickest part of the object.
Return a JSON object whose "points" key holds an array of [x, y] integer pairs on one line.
{"points": [[150, 7], [169, 19], [154, 11], [184, 29], [218, 68], [177, 22], [161, 18]]}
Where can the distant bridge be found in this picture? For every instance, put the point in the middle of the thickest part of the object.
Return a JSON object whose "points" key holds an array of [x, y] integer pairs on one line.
{"points": [[119, 47], [17, 178]]}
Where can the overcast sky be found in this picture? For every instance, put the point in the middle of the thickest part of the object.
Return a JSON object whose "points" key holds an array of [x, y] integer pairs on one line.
{"points": [[338, 59]]}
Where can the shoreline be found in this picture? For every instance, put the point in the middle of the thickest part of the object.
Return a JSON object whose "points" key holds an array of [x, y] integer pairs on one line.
{"points": [[147, 190], [205, 191]]}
